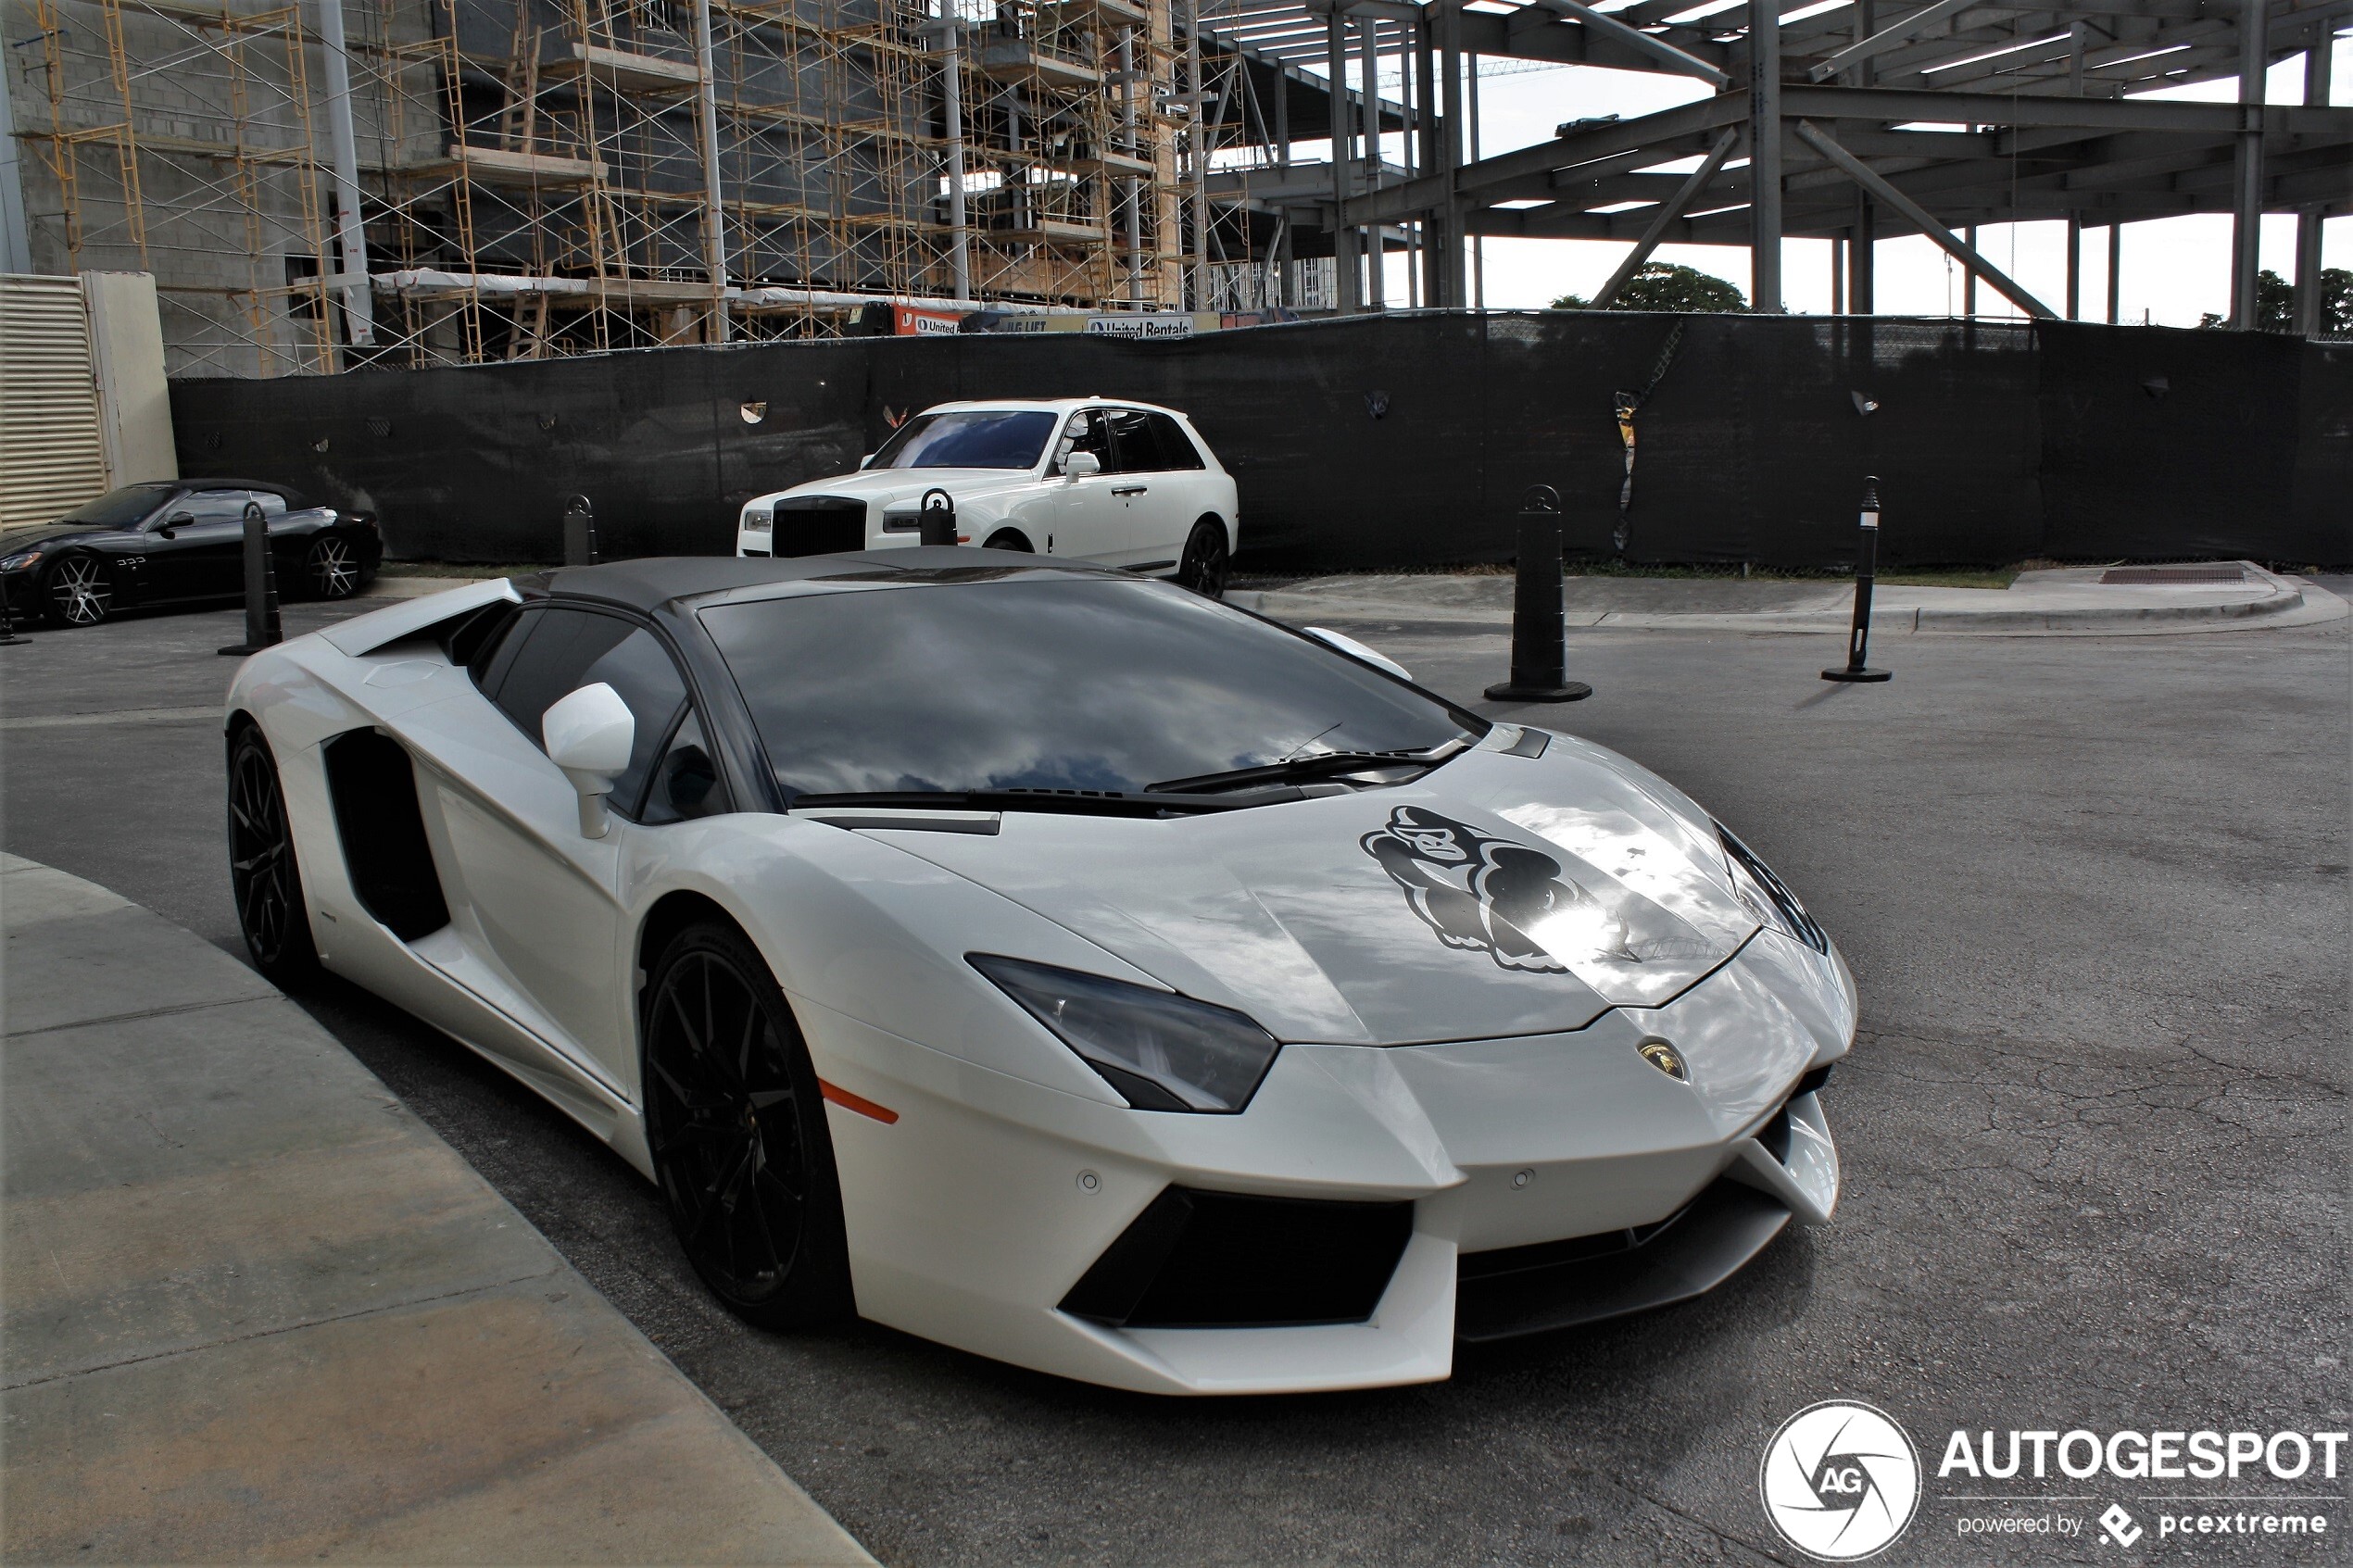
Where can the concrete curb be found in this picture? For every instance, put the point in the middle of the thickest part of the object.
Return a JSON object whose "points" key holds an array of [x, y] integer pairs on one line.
{"points": [[2285, 603], [254, 1308]]}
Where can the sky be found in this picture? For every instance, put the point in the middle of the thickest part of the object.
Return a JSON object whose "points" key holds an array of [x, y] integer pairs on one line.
{"points": [[2174, 269]]}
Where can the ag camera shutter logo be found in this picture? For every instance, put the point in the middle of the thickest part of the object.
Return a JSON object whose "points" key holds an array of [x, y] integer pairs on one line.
{"points": [[1839, 1481]]}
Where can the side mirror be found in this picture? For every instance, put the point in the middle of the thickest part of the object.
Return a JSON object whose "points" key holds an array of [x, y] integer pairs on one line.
{"points": [[1082, 465], [1358, 651], [177, 520], [864, 462], [589, 736]]}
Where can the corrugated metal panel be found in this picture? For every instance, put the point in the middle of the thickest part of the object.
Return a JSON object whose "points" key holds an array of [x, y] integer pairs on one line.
{"points": [[50, 456]]}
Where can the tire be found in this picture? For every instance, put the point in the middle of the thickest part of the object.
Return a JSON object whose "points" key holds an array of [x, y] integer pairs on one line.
{"points": [[1206, 562], [264, 876], [331, 568], [736, 1124], [1006, 539], [78, 591]]}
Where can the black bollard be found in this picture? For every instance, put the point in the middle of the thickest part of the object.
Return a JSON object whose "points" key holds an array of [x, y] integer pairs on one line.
{"points": [[936, 519], [262, 629], [580, 531], [1540, 653], [1858, 637], [8, 623]]}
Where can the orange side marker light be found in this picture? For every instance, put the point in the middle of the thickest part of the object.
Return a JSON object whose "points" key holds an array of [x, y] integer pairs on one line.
{"points": [[857, 1103]]}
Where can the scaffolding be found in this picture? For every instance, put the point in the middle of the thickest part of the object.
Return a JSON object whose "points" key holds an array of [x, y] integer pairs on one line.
{"points": [[435, 181]]}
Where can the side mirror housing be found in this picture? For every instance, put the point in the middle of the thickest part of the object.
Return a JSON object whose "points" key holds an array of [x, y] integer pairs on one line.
{"points": [[1082, 465], [589, 736], [1358, 651], [177, 520], [866, 461]]}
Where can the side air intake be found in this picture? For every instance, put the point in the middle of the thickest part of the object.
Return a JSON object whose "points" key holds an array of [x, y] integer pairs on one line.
{"points": [[373, 785]]}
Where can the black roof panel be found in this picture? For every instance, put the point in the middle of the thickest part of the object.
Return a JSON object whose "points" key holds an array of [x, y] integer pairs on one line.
{"points": [[652, 580]]}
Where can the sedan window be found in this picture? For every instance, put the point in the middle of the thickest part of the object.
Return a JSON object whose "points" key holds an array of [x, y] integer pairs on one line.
{"points": [[969, 438], [211, 506], [1026, 683]]}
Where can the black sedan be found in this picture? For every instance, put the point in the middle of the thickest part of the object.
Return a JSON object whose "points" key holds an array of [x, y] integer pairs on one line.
{"points": [[174, 540]]}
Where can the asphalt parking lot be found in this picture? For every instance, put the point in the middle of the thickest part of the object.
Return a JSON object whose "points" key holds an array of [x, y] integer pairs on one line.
{"points": [[2094, 890]]}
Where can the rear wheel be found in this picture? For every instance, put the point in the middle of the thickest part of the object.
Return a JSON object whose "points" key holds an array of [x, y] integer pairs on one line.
{"points": [[262, 873], [330, 570], [736, 1124], [1206, 563], [79, 591]]}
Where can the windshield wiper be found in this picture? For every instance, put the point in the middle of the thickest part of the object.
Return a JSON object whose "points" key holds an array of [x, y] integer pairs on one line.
{"points": [[1317, 766], [1082, 802]]}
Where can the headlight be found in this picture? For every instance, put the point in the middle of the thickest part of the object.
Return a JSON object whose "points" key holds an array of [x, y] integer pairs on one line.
{"points": [[1767, 896], [21, 562], [1160, 1051], [757, 520]]}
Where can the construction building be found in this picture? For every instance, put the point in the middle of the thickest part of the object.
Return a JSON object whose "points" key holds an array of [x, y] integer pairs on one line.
{"points": [[321, 184]]}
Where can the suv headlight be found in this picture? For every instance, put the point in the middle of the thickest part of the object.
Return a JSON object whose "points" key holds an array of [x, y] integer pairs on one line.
{"points": [[1767, 896], [758, 519], [1160, 1051]]}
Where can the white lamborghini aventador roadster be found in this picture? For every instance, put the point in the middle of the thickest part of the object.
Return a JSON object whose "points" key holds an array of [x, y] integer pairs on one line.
{"points": [[1051, 963]]}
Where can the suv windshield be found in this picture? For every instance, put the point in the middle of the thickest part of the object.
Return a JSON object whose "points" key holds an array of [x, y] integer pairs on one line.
{"points": [[119, 508], [971, 438], [1030, 684]]}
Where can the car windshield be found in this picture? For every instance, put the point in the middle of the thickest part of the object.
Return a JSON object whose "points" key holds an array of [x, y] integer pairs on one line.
{"points": [[1031, 683], [118, 508], [969, 438]]}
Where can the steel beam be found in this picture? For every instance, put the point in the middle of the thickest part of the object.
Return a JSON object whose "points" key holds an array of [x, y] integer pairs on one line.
{"points": [[1670, 211], [1862, 174], [1658, 49], [1764, 157], [1344, 279], [1880, 43], [2317, 58], [2246, 205]]}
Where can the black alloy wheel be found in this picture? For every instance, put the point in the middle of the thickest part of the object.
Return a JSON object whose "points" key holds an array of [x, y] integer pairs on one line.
{"points": [[1006, 539], [79, 591], [736, 1124], [330, 570], [263, 871], [1205, 568]]}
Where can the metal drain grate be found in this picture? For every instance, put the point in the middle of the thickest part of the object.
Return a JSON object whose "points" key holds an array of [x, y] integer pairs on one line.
{"points": [[2148, 575]]}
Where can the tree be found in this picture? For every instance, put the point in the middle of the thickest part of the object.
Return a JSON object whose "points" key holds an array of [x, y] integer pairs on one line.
{"points": [[1665, 285], [2275, 304]]}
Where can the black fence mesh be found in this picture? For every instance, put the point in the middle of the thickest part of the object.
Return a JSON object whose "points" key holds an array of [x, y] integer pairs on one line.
{"points": [[1400, 440]]}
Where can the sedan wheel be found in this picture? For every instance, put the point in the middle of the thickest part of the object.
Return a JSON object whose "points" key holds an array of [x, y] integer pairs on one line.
{"points": [[736, 1125], [1204, 567], [262, 873], [80, 592], [330, 570]]}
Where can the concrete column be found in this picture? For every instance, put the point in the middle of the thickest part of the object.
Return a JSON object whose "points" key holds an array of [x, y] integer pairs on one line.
{"points": [[2074, 265], [951, 110], [2115, 269], [1478, 241], [1765, 155], [1344, 274], [1862, 274], [351, 243], [2247, 173], [714, 216], [1376, 256], [2308, 223], [1968, 273], [1450, 152], [1134, 200]]}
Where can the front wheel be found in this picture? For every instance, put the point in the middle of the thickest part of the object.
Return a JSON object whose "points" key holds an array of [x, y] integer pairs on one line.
{"points": [[736, 1123], [79, 591], [1206, 562], [262, 873]]}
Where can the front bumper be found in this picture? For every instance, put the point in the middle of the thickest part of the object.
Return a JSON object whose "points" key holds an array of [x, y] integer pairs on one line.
{"points": [[975, 1216]]}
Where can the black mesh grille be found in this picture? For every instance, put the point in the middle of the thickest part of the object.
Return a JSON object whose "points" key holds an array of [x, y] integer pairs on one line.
{"points": [[1216, 1259], [819, 525]]}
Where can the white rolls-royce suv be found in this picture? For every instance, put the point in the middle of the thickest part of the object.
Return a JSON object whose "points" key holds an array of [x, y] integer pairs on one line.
{"points": [[1121, 484]]}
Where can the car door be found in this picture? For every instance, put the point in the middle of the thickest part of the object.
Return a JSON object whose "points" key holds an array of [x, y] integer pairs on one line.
{"points": [[197, 548], [543, 899], [1089, 523], [1151, 527]]}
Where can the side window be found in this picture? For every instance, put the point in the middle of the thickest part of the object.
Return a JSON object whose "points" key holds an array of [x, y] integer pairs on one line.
{"points": [[272, 504], [558, 650], [1085, 432], [685, 782], [1132, 438], [210, 506], [1176, 448]]}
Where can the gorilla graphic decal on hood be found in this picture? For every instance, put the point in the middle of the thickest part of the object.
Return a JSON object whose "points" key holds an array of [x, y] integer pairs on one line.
{"points": [[1475, 892]]}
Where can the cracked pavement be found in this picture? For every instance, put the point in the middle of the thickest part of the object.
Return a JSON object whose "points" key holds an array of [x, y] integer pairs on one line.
{"points": [[2094, 893]]}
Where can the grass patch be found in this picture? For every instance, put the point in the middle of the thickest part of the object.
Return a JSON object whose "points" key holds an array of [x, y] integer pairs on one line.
{"points": [[1957, 577]]}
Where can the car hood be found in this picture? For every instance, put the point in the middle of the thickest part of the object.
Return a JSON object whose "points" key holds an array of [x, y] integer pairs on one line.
{"points": [[887, 485], [1497, 895], [16, 539]]}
